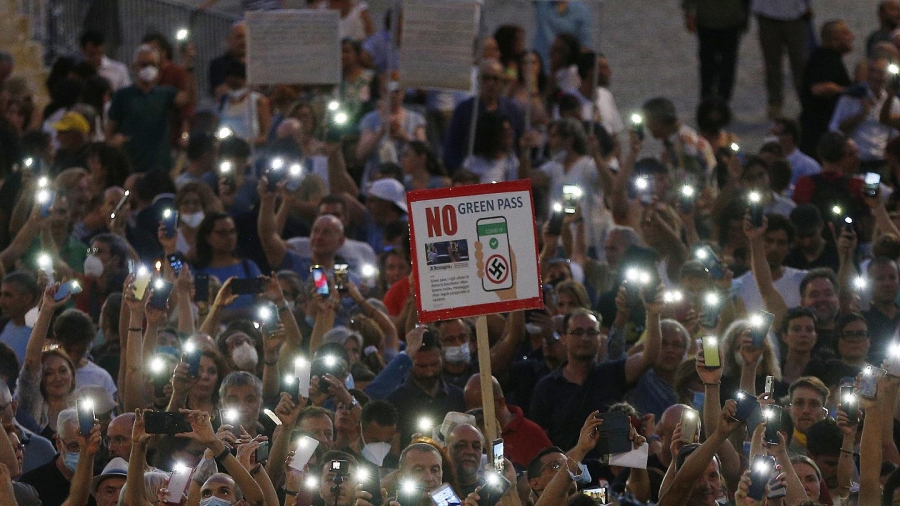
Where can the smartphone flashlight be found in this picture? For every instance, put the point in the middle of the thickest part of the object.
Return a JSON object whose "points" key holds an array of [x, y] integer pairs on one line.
{"points": [[860, 283], [230, 415], [157, 365], [425, 424], [334, 105], [641, 183], [687, 191], [277, 163], [712, 299], [295, 170], [311, 483], [672, 296], [341, 118], [637, 119], [735, 147], [362, 475], [369, 271], [754, 197], [182, 34], [893, 68], [224, 133], [225, 167], [557, 207]]}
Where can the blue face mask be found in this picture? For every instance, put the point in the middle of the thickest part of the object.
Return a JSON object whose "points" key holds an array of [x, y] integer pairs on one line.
{"points": [[214, 501], [71, 461]]}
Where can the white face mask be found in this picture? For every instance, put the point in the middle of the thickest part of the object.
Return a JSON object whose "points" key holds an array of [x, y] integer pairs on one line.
{"points": [[214, 501], [376, 452], [245, 357], [93, 266], [457, 354], [148, 74], [238, 94], [192, 220], [31, 317]]}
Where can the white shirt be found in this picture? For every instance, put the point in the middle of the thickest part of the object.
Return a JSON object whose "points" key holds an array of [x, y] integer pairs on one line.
{"points": [[93, 374], [871, 135], [788, 286], [115, 72], [780, 205], [784, 10]]}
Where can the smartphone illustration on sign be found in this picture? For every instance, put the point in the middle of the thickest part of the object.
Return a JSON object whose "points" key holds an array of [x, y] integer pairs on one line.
{"points": [[494, 237]]}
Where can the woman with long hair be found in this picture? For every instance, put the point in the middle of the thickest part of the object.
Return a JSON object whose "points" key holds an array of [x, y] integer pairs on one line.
{"points": [[216, 254], [201, 392], [493, 154], [108, 166], [746, 366], [393, 265], [193, 201], [422, 170], [47, 378]]}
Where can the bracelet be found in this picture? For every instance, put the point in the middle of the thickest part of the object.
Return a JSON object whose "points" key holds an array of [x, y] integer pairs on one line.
{"points": [[135, 329], [289, 492], [266, 362], [712, 384], [225, 453], [848, 452]]}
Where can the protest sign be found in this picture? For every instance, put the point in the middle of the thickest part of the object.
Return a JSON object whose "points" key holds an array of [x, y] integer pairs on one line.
{"points": [[293, 47], [438, 43]]}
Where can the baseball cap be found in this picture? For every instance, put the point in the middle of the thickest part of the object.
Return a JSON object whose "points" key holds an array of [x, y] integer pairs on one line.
{"points": [[72, 121], [806, 219], [391, 190], [116, 468]]}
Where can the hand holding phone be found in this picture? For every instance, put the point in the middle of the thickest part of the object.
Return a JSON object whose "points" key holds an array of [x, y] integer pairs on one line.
{"points": [[760, 472]]}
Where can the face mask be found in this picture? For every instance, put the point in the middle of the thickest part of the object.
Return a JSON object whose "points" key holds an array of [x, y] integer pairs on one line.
{"points": [[214, 501], [349, 383], [31, 317], [457, 354], [238, 94], [245, 357], [148, 74], [532, 328], [192, 220], [376, 452], [93, 266], [71, 461], [583, 476]]}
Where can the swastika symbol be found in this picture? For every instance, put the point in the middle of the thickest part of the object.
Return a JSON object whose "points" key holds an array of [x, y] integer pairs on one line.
{"points": [[497, 269]]}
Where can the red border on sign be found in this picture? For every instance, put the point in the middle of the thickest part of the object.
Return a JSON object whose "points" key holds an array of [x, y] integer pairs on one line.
{"points": [[535, 302]]}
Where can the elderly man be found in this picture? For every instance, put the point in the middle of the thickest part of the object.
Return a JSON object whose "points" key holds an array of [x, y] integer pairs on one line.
{"points": [[53, 479], [139, 114], [105, 487], [241, 397], [489, 99], [118, 436], [237, 52], [465, 444]]}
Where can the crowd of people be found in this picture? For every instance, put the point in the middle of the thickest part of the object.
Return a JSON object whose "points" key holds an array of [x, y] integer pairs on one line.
{"points": [[207, 295]]}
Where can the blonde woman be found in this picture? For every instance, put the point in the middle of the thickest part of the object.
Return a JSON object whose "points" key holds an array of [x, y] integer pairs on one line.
{"points": [[745, 366]]}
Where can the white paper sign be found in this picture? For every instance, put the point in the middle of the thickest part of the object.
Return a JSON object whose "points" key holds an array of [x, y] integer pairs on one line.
{"points": [[438, 44], [293, 47], [635, 458], [474, 250]]}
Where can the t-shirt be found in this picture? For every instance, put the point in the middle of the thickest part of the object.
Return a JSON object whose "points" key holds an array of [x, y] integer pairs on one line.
{"points": [[244, 269], [50, 483], [144, 119], [17, 338], [788, 286], [824, 65], [372, 122], [93, 374]]}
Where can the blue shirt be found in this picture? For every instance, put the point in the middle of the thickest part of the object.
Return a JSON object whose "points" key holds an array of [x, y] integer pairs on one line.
{"points": [[652, 394], [456, 144], [549, 23], [802, 165], [243, 270], [17, 339], [379, 48]]}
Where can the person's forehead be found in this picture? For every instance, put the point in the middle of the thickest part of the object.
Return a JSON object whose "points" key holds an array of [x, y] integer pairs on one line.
{"points": [[121, 424], [423, 458], [317, 421], [803, 469], [115, 482], [427, 356], [453, 327], [240, 391], [583, 319], [805, 393], [466, 433], [819, 284], [550, 457]]}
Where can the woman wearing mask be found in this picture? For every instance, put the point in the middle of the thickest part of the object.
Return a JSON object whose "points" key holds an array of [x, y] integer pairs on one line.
{"points": [[47, 377], [105, 269], [241, 345], [193, 201], [422, 170], [216, 255], [247, 113]]}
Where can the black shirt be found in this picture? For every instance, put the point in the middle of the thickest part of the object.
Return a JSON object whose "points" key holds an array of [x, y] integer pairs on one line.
{"points": [[412, 402], [824, 65], [52, 486], [829, 258], [217, 68], [881, 332]]}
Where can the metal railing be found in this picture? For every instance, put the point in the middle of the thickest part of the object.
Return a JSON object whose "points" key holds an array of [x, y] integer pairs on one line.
{"points": [[58, 24]]}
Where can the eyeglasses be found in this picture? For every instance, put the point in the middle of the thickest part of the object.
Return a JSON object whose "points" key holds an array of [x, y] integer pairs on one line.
{"points": [[855, 335], [555, 465], [803, 404], [584, 332]]}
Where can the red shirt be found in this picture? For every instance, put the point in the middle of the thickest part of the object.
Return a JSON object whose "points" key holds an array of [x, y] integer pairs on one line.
{"points": [[803, 191], [395, 298], [522, 438]]}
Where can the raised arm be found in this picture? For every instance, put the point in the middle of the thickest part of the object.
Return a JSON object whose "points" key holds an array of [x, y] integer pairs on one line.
{"points": [[273, 245], [135, 489], [638, 363], [49, 305], [223, 298], [134, 370], [79, 493], [503, 353], [773, 300], [184, 285], [339, 179]]}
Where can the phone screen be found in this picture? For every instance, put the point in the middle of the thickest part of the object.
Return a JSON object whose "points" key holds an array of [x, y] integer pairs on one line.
{"points": [[71, 287], [873, 179], [178, 484], [497, 452], [169, 222], [494, 237], [445, 496], [773, 424], [341, 277], [160, 296], [302, 370], [320, 281], [850, 404], [176, 263], [571, 194], [85, 417], [711, 352], [201, 288], [690, 425], [305, 449]]}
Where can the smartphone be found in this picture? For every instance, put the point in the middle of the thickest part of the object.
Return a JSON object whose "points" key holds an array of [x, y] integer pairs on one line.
{"points": [[746, 405], [85, 416], [637, 126], [760, 472], [166, 422], [686, 198], [497, 452], [494, 237], [320, 281], [690, 425], [302, 371], [141, 280], [711, 352], [495, 487], [201, 288], [444, 496], [409, 494], [159, 297], [169, 222], [712, 306], [120, 205], [613, 434], [267, 316], [773, 424], [175, 263], [70, 287], [248, 286], [341, 277], [371, 484], [46, 198], [571, 195], [293, 184], [850, 404], [600, 495], [555, 223], [306, 447], [274, 176], [759, 327], [192, 359], [770, 386], [868, 384], [226, 173], [708, 258], [262, 452], [870, 186], [178, 484], [644, 185], [756, 209]]}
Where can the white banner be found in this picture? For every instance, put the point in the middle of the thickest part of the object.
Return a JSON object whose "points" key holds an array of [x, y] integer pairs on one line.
{"points": [[293, 47], [437, 48]]}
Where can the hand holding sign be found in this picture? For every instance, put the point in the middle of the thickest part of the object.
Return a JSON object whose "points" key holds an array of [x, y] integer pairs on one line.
{"points": [[498, 272]]}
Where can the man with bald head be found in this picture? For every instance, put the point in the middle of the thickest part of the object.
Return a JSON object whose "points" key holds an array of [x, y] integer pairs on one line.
{"points": [[522, 438], [237, 52], [489, 99], [465, 445], [658, 463], [118, 436]]}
